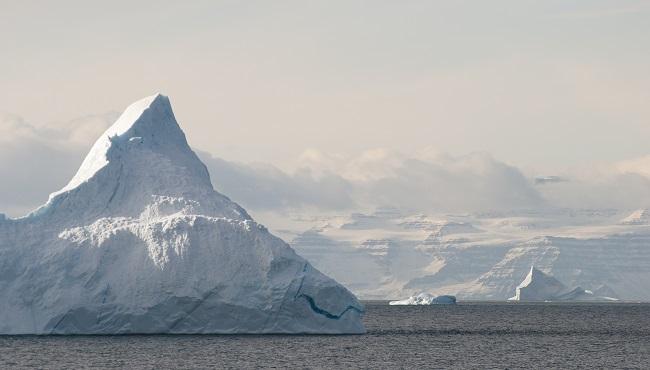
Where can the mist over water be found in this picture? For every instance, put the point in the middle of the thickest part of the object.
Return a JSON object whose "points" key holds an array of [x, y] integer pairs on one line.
{"points": [[468, 335]]}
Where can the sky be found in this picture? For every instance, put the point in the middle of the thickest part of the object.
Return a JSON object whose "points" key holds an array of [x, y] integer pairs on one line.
{"points": [[344, 97]]}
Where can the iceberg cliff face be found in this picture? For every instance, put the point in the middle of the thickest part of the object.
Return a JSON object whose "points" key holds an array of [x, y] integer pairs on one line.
{"points": [[538, 286], [139, 242]]}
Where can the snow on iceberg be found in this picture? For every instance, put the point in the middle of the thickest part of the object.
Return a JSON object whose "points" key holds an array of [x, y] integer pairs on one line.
{"points": [[425, 299], [538, 286], [140, 242]]}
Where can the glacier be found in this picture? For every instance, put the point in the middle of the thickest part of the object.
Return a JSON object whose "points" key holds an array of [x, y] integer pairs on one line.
{"points": [[140, 242]]}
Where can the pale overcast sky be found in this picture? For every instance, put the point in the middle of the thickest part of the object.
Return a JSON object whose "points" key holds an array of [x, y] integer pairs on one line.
{"points": [[532, 82], [544, 84]]}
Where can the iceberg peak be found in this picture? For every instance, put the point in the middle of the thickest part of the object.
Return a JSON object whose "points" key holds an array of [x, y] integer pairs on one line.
{"points": [[143, 153], [533, 274], [539, 286], [145, 113]]}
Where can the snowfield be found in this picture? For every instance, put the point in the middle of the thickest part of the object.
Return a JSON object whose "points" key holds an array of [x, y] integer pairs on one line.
{"points": [[140, 242]]}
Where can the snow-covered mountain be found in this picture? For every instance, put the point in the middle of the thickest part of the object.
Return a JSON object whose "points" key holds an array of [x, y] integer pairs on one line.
{"points": [[476, 256], [140, 242]]}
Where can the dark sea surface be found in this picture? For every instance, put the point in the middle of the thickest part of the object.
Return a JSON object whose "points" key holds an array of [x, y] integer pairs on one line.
{"points": [[468, 335]]}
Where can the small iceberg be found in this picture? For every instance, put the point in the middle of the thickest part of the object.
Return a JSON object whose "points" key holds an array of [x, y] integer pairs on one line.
{"points": [[425, 299], [541, 287]]}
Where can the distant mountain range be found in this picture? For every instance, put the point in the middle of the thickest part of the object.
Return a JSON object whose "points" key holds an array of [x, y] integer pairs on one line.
{"points": [[391, 253]]}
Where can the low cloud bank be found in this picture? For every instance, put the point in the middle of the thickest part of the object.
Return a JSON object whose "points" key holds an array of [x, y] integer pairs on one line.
{"points": [[265, 187], [615, 186], [37, 160], [376, 178]]}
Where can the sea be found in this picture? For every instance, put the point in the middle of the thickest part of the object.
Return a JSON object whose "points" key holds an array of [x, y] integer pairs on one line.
{"points": [[478, 335]]}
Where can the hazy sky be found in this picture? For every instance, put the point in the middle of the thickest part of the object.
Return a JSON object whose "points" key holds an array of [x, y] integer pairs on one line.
{"points": [[537, 84], [380, 96]]}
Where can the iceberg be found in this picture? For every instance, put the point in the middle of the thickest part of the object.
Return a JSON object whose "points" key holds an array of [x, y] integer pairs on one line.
{"points": [[538, 286], [425, 299], [139, 242]]}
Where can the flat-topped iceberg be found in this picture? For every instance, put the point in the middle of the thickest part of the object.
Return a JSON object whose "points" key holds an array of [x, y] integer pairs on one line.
{"points": [[538, 286], [425, 299], [140, 242]]}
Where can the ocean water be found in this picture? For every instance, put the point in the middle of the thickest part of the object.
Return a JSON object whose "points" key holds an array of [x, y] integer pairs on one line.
{"points": [[468, 335]]}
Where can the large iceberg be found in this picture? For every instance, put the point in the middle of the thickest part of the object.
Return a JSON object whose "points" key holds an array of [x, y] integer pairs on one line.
{"points": [[424, 299], [538, 286], [140, 242]]}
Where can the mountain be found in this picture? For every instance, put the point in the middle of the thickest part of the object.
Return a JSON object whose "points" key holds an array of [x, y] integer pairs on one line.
{"points": [[140, 242], [476, 256]]}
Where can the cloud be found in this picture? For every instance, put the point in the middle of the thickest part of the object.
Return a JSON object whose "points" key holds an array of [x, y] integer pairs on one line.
{"points": [[264, 187], [429, 181], [474, 182], [621, 185], [625, 192], [377, 177], [37, 160], [639, 166], [70, 135]]}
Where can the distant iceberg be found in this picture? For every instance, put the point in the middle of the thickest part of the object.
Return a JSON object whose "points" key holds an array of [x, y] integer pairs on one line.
{"points": [[425, 299], [538, 286]]}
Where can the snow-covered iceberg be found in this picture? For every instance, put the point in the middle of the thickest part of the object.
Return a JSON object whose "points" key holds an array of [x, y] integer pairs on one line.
{"points": [[140, 242], [538, 286], [425, 299]]}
